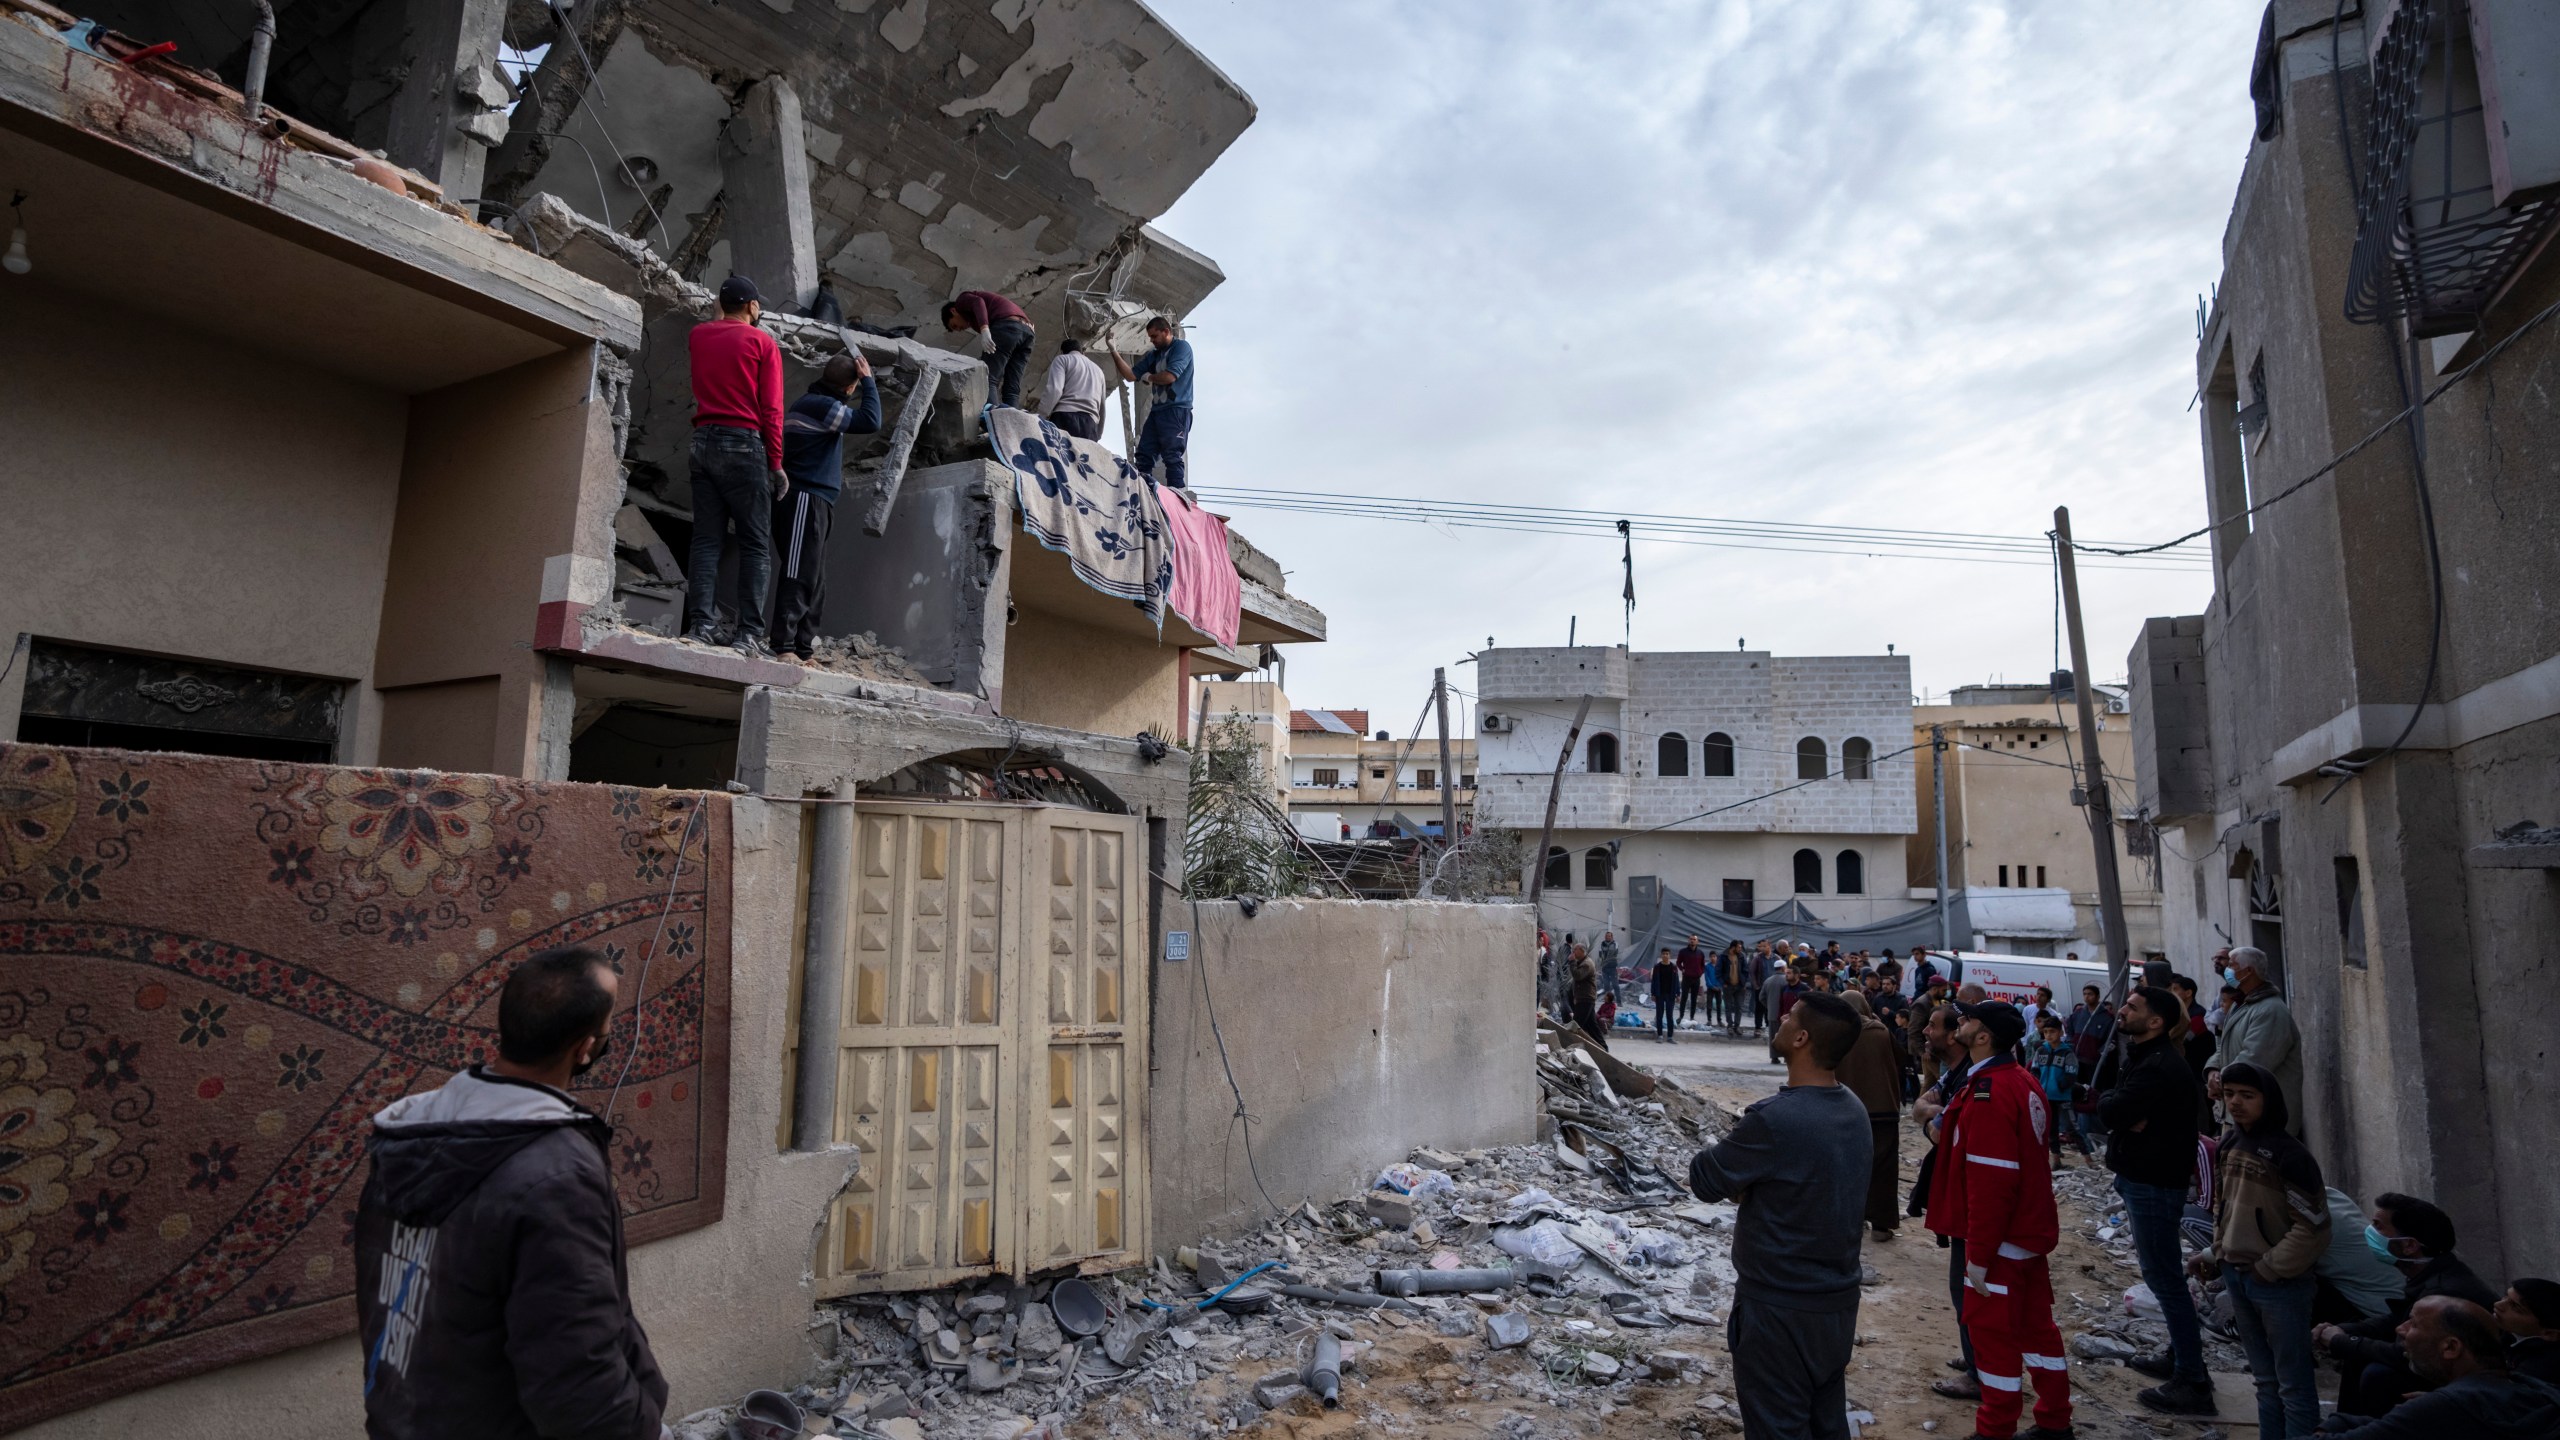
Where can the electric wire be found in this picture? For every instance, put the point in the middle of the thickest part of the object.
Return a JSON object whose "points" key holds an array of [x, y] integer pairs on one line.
{"points": [[649, 957], [2343, 456], [1242, 1116], [595, 83], [1774, 536]]}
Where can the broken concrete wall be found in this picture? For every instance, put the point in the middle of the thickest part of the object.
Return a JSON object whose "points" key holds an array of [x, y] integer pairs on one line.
{"points": [[1357, 1030], [1004, 146], [726, 1307], [935, 584]]}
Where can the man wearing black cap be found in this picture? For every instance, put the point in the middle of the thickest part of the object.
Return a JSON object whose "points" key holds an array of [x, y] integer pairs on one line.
{"points": [[2530, 1314], [2151, 1147], [737, 462], [1993, 1187]]}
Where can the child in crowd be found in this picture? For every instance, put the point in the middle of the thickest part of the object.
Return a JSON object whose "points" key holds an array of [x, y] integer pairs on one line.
{"points": [[2057, 1069]]}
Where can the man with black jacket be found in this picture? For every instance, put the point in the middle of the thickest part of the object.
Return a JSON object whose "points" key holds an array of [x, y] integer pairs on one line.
{"points": [[813, 432], [2373, 1370], [491, 1298], [2151, 1146]]}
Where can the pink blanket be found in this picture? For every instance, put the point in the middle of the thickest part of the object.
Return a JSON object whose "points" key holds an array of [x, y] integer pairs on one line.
{"points": [[1206, 589]]}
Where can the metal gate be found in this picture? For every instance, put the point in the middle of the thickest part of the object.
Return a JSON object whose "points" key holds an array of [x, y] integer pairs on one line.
{"points": [[990, 1055]]}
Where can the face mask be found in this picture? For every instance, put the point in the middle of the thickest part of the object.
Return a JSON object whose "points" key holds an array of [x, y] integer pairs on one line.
{"points": [[2380, 1245], [2230, 976]]}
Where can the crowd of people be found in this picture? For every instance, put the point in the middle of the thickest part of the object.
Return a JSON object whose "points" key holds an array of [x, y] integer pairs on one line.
{"points": [[2192, 1110]]}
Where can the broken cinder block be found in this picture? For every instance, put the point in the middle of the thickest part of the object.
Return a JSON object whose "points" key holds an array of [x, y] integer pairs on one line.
{"points": [[1390, 1208]]}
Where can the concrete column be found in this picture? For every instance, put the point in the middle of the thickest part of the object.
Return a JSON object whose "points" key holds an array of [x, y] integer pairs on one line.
{"points": [[764, 167], [448, 109]]}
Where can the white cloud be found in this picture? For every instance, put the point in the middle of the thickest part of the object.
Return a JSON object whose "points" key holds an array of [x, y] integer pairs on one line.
{"points": [[1928, 265]]}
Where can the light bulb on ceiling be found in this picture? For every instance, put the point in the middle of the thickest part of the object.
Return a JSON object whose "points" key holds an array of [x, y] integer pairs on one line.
{"points": [[16, 261]]}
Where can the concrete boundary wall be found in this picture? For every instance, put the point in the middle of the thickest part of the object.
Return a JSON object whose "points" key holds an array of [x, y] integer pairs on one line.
{"points": [[1358, 1030]]}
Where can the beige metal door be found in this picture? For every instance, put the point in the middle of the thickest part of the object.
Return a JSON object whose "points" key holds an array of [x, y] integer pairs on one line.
{"points": [[984, 1052]]}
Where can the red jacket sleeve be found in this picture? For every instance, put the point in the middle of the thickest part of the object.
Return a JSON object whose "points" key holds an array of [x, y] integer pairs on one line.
{"points": [[973, 308], [769, 398], [1994, 1146]]}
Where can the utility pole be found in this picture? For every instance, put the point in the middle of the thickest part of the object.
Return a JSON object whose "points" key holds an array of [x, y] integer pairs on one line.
{"points": [[1547, 831], [1938, 796], [1448, 782], [2094, 795], [1555, 792]]}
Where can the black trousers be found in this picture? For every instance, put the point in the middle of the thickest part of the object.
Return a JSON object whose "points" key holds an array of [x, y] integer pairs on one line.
{"points": [[800, 522], [1791, 1368], [1011, 357], [1884, 1173], [1955, 1291], [731, 488], [1082, 424]]}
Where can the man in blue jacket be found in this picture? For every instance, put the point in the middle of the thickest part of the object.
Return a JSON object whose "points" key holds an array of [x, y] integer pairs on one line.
{"points": [[813, 432], [1167, 434]]}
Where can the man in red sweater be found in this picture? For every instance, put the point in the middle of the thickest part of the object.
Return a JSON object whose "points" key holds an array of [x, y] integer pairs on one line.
{"points": [[737, 462], [1992, 1188]]}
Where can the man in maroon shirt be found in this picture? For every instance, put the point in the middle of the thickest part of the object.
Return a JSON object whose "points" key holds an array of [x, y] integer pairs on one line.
{"points": [[737, 462], [1006, 331]]}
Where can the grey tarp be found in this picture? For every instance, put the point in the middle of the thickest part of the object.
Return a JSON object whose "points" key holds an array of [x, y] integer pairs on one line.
{"points": [[1678, 917]]}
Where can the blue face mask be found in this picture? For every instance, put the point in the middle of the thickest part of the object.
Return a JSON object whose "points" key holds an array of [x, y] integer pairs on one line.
{"points": [[2380, 1245], [2230, 976]]}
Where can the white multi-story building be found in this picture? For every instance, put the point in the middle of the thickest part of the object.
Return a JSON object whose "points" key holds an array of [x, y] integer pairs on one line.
{"points": [[1674, 773]]}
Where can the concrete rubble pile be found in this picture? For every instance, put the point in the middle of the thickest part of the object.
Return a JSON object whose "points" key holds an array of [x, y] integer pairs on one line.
{"points": [[1531, 1275]]}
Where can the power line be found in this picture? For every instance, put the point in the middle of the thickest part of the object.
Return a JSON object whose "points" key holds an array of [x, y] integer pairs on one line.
{"points": [[1711, 532], [2343, 456]]}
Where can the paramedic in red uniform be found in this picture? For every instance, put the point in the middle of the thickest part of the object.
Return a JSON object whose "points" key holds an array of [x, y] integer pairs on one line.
{"points": [[1993, 1189]]}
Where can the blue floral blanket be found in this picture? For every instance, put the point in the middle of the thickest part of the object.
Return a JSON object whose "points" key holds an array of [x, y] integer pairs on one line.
{"points": [[1089, 505]]}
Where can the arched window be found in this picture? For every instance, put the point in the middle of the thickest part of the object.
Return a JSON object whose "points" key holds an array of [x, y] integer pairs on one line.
{"points": [[1559, 868], [1601, 755], [1813, 762], [1852, 868], [1599, 869], [1719, 754], [1857, 759], [1671, 754], [1808, 873]]}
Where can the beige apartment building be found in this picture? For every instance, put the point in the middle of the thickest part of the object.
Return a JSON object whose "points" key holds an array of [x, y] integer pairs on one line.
{"points": [[1263, 706], [1348, 782], [2016, 843]]}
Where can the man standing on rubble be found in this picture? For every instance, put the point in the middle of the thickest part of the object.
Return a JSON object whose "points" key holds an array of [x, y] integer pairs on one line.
{"points": [[813, 459], [491, 1297], [1797, 1163], [1167, 433], [1004, 329], [1993, 1188], [737, 462]]}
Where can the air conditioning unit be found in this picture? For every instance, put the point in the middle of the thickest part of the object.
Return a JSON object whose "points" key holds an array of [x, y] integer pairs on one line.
{"points": [[1496, 724]]}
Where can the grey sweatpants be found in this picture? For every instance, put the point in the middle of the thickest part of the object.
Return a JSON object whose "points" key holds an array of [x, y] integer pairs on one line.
{"points": [[1790, 1368]]}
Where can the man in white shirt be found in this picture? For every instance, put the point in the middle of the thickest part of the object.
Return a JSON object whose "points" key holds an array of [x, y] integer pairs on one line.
{"points": [[1071, 396]]}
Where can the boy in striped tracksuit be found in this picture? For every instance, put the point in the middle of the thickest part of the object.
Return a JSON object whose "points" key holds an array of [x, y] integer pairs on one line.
{"points": [[813, 432]]}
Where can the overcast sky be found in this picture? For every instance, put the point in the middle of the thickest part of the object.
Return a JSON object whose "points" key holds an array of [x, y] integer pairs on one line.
{"points": [[1844, 261]]}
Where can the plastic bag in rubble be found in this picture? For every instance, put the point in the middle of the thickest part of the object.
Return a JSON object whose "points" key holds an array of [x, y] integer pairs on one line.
{"points": [[2141, 1304], [1543, 1242], [1661, 1247], [1527, 1203], [1407, 1178], [1616, 1225]]}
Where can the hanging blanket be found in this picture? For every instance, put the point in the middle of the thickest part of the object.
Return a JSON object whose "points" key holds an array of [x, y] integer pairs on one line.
{"points": [[1206, 589], [214, 972], [1089, 505]]}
